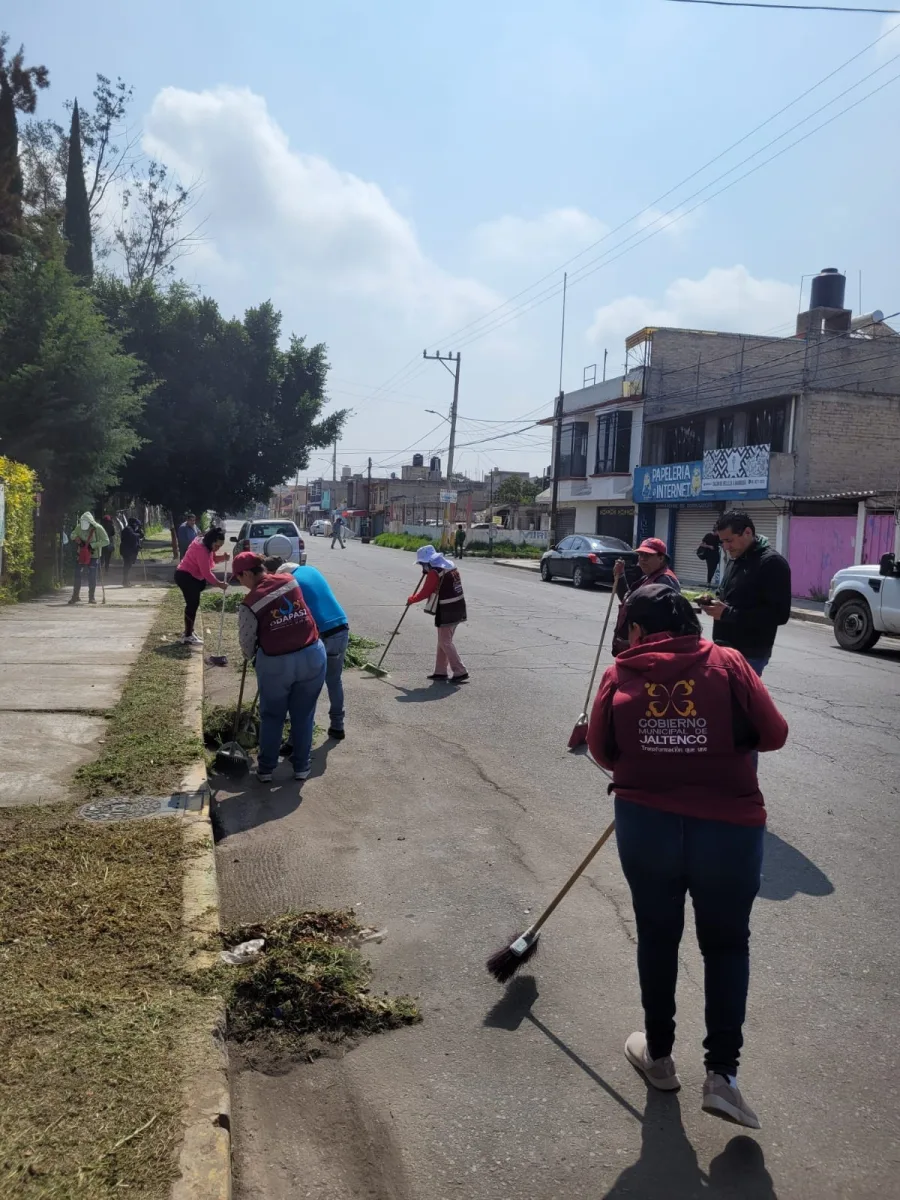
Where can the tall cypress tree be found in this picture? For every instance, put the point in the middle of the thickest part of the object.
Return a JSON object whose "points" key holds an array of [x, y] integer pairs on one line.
{"points": [[77, 222], [18, 90]]}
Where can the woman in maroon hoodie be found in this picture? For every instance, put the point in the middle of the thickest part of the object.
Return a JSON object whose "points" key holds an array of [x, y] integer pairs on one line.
{"points": [[677, 720]]}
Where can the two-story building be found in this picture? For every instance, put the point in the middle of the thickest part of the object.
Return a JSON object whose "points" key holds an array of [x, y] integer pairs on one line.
{"points": [[802, 432], [600, 445]]}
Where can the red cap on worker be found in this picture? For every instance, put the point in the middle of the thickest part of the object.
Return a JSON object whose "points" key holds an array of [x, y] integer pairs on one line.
{"points": [[651, 546], [246, 561]]}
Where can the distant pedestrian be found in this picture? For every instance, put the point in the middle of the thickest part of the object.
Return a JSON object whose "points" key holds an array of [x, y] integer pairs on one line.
{"points": [[90, 538], [337, 532], [186, 532], [460, 542], [106, 553], [754, 597], [678, 720], [442, 588], [192, 575], [653, 560], [708, 551], [130, 542], [277, 629]]}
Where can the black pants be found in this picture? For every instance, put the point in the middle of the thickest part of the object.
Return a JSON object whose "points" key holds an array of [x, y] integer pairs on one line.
{"points": [[190, 589], [106, 558], [128, 561], [664, 856], [711, 564]]}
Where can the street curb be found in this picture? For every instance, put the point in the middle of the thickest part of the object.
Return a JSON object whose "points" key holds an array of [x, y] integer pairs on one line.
{"points": [[204, 1160], [797, 614]]}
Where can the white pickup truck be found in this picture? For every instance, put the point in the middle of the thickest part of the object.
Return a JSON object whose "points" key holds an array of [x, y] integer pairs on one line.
{"points": [[864, 602]]}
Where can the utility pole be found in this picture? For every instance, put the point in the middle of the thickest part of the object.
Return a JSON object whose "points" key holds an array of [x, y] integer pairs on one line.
{"points": [[368, 506], [557, 427], [491, 519], [334, 463], [444, 359]]}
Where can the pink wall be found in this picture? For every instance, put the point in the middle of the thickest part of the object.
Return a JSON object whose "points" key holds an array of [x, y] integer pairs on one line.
{"points": [[879, 538], [819, 546]]}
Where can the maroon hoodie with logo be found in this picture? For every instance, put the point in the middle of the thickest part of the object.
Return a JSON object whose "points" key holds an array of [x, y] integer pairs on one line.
{"points": [[676, 720]]}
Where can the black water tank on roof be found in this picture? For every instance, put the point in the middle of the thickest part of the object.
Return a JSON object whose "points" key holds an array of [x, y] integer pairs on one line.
{"points": [[828, 289], [418, 460], [435, 464]]}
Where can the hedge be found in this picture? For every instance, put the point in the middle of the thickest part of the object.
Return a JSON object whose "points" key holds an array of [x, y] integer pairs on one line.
{"points": [[17, 569], [404, 541]]}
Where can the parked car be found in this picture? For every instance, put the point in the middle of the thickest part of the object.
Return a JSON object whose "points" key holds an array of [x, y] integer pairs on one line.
{"points": [[863, 603], [255, 536], [320, 528], [586, 559]]}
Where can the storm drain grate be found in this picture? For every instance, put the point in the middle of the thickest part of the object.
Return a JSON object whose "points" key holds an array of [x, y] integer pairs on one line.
{"points": [[130, 808]]}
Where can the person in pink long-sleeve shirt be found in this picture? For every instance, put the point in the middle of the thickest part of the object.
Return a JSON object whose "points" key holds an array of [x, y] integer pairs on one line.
{"points": [[194, 572]]}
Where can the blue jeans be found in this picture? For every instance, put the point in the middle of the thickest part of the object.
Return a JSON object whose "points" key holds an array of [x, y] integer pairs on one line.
{"points": [[665, 856], [82, 572], [335, 648], [288, 683]]}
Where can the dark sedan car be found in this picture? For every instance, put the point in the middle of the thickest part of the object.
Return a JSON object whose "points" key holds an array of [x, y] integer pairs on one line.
{"points": [[586, 559]]}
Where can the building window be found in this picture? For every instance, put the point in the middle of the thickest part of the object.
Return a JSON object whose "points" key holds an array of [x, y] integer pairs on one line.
{"points": [[725, 433], [765, 426], [683, 441], [613, 443], [573, 450]]}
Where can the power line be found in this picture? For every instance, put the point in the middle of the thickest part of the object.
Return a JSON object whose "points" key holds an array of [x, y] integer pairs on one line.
{"points": [[796, 7], [549, 293]]}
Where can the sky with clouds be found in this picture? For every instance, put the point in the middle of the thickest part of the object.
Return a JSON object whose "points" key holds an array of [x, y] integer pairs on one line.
{"points": [[398, 176]]}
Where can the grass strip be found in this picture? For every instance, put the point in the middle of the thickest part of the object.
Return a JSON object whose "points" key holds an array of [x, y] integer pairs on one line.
{"points": [[91, 1004], [147, 746]]}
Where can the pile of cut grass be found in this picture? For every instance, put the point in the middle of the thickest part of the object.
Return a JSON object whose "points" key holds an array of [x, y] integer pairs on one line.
{"points": [[310, 985], [147, 746], [357, 650], [91, 1006], [211, 600]]}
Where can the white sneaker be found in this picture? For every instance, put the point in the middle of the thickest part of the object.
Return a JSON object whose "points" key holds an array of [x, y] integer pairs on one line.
{"points": [[263, 776], [659, 1072], [721, 1099], [303, 774], [191, 639]]}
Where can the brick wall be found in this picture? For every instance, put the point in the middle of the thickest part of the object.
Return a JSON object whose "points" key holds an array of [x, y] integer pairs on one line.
{"points": [[847, 442], [693, 371]]}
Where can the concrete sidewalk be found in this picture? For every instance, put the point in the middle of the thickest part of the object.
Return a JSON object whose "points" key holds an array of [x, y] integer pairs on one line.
{"points": [[61, 668], [801, 610]]}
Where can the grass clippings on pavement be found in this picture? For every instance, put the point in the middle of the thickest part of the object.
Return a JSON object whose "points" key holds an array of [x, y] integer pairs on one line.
{"points": [[310, 985], [357, 650], [146, 744], [91, 1005]]}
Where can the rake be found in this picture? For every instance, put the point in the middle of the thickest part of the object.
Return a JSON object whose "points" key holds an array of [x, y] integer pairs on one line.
{"points": [[231, 758]]}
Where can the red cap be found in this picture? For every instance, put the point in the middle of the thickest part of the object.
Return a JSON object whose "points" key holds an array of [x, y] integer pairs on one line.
{"points": [[246, 561], [652, 546]]}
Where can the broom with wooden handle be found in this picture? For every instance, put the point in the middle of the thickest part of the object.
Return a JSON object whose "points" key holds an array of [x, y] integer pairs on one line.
{"points": [[504, 964], [578, 736]]}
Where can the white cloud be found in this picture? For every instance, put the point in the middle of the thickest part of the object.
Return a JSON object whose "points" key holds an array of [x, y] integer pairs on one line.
{"points": [[726, 298], [553, 235], [890, 40], [297, 216]]}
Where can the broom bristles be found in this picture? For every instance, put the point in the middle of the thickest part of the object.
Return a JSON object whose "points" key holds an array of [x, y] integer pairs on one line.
{"points": [[504, 964]]}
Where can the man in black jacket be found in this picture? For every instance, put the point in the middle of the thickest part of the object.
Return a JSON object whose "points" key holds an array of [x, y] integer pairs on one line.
{"points": [[755, 593]]}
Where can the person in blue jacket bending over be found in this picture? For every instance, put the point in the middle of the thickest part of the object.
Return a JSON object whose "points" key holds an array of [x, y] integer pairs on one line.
{"points": [[334, 630]]}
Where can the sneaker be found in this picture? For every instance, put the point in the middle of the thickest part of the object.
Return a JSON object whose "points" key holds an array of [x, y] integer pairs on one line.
{"points": [[659, 1072], [337, 735], [464, 678], [263, 776], [439, 678], [722, 1099], [92, 600], [191, 639], [302, 774], [75, 600]]}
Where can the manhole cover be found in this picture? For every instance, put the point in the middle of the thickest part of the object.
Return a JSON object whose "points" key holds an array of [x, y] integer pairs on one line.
{"points": [[127, 808]]}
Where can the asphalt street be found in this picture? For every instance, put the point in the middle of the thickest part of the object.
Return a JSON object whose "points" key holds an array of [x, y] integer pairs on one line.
{"points": [[450, 816]]}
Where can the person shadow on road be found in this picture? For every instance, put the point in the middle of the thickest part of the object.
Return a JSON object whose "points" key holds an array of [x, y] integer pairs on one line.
{"points": [[668, 1165]]}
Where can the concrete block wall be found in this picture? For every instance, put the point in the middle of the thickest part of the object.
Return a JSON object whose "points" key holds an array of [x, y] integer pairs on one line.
{"points": [[847, 442]]}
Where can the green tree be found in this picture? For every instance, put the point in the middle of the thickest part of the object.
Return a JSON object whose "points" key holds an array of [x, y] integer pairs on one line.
{"points": [[19, 86], [231, 414], [516, 491], [77, 221], [69, 395]]}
